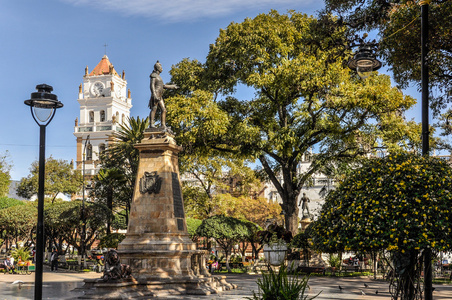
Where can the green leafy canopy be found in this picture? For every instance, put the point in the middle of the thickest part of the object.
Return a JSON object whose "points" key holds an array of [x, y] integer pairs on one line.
{"points": [[303, 98]]}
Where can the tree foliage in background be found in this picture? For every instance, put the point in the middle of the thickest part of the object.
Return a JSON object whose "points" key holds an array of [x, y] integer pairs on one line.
{"points": [[6, 202], [400, 203], [398, 23], [255, 210], [304, 98], [18, 222], [111, 240], [5, 178], [192, 226], [65, 217], [116, 180], [60, 177], [110, 189], [56, 224], [226, 231], [303, 241], [209, 176]]}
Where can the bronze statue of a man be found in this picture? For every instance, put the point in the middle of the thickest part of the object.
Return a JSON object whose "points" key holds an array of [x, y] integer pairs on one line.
{"points": [[157, 88], [304, 201]]}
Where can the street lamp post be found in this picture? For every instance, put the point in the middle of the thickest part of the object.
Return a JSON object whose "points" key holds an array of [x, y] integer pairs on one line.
{"points": [[83, 237], [43, 105], [425, 131], [363, 58]]}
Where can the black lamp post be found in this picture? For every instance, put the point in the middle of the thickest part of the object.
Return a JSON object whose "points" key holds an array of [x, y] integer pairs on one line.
{"points": [[363, 59], [43, 105], [425, 132], [83, 237]]}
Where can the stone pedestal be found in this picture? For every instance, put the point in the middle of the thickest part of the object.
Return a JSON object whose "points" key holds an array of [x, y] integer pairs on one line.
{"points": [[157, 246], [305, 223]]}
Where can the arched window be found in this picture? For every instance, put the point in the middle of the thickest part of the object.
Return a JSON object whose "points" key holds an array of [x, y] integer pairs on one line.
{"points": [[91, 116], [102, 115], [123, 118], [89, 152]]}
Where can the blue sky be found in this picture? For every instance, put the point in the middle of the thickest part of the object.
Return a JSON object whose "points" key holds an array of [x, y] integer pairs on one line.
{"points": [[52, 42]]}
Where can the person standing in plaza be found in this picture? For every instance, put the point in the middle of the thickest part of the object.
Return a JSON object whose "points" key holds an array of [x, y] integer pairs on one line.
{"points": [[54, 260]]}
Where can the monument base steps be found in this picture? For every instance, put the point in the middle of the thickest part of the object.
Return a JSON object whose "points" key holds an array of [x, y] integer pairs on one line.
{"points": [[160, 287]]}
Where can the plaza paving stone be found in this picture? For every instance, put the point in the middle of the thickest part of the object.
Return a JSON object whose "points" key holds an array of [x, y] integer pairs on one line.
{"points": [[64, 284]]}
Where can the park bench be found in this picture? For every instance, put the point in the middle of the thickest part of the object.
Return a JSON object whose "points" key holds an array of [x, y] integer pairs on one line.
{"points": [[309, 270], [72, 265], [349, 268]]}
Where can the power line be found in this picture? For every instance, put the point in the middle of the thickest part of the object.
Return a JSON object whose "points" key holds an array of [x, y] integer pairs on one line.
{"points": [[36, 145]]}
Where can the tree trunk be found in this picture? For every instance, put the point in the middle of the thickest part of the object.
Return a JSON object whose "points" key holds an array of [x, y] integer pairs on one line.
{"points": [[291, 219], [110, 207], [407, 269], [375, 263], [227, 261]]}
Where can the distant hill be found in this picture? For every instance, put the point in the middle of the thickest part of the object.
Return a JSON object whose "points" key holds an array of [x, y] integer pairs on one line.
{"points": [[13, 190], [13, 193]]}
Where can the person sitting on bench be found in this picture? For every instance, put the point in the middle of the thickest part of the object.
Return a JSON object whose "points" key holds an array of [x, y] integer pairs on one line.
{"points": [[9, 265]]}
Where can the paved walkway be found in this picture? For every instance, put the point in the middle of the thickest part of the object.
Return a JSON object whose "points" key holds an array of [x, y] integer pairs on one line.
{"points": [[61, 285]]}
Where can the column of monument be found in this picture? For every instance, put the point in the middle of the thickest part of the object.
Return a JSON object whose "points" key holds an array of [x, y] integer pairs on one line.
{"points": [[157, 248]]}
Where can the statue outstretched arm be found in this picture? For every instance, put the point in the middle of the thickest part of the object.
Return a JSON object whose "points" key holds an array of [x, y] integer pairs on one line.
{"points": [[170, 86]]}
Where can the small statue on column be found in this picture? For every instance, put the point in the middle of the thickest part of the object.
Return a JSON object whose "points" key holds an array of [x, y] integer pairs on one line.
{"points": [[304, 202]]}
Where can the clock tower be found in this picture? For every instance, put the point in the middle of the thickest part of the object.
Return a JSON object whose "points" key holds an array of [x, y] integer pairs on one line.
{"points": [[105, 103]]}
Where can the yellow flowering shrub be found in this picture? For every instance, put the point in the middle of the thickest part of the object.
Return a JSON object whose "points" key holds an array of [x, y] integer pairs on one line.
{"points": [[399, 203]]}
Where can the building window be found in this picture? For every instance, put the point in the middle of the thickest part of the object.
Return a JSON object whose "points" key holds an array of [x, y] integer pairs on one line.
{"points": [[91, 116], [89, 152], [123, 119], [102, 115]]}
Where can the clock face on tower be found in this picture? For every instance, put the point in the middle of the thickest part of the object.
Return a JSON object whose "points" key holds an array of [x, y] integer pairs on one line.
{"points": [[97, 88], [118, 92]]}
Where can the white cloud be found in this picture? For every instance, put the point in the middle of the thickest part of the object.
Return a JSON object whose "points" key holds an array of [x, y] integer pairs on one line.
{"points": [[182, 10]]}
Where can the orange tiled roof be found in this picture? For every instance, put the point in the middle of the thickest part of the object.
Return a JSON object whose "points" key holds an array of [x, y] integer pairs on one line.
{"points": [[103, 67]]}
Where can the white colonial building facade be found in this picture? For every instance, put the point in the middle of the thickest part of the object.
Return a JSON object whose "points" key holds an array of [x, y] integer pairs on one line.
{"points": [[104, 102]]}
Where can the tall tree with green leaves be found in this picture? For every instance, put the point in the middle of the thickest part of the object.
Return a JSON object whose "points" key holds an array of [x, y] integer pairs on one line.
{"points": [[304, 98], [60, 177]]}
